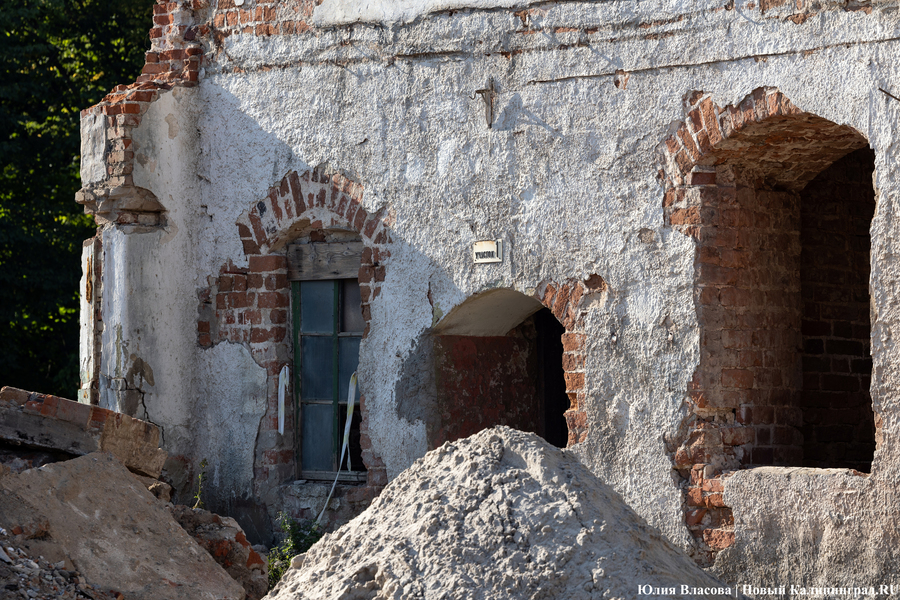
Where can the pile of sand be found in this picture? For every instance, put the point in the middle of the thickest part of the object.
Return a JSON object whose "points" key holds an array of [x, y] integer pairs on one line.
{"points": [[502, 514]]}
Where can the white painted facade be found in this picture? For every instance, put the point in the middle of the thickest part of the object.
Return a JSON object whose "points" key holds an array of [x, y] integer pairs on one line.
{"points": [[566, 176]]}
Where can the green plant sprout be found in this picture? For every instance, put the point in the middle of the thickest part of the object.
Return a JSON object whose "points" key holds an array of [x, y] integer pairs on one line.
{"points": [[299, 537], [198, 503]]}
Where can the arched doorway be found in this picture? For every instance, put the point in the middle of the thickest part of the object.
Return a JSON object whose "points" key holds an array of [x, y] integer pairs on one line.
{"points": [[498, 360]]}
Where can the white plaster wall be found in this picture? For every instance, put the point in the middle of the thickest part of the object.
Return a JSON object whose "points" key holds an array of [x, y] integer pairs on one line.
{"points": [[145, 316], [229, 401], [812, 528], [86, 356], [332, 12], [567, 176], [93, 148], [207, 402]]}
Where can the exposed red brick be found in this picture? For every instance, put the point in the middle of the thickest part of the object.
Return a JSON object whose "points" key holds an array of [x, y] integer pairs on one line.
{"points": [[270, 262], [712, 485], [694, 516], [572, 362], [75, 413], [572, 342], [574, 381], [718, 539], [273, 300]]}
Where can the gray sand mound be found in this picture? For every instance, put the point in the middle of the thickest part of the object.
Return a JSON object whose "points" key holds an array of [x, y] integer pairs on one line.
{"points": [[502, 514]]}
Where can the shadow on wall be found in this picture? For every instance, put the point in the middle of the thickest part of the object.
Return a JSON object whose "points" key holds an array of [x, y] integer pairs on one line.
{"points": [[512, 360], [230, 419]]}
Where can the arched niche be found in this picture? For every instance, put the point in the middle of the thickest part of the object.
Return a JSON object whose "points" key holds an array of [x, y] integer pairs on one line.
{"points": [[498, 360]]}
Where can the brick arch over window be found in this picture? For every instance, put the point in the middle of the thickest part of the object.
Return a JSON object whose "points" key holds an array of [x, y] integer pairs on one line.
{"points": [[319, 199], [318, 195], [251, 304], [769, 192]]}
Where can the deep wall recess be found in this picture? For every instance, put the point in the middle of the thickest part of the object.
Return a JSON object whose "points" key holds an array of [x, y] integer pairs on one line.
{"points": [[779, 202]]}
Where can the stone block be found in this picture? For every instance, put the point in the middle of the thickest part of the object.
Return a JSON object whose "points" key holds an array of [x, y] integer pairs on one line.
{"points": [[48, 422], [226, 543], [91, 512]]}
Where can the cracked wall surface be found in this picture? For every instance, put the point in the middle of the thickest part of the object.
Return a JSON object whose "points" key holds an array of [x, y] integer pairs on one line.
{"points": [[563, 156]]}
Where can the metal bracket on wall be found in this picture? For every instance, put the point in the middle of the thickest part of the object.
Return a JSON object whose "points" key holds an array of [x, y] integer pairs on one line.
{"points": [[487, 95], [887, 93]]}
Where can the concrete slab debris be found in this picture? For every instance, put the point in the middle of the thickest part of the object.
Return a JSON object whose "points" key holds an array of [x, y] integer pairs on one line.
{"points": [[50, 423]]}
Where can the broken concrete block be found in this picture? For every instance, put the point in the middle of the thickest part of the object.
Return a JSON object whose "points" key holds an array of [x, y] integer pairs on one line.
{"points": [[160, 489], [91, 512], [49, 422], [225, 541]]}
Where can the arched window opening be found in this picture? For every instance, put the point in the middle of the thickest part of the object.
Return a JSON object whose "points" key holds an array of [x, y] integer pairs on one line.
{"points": [[781, 209]]}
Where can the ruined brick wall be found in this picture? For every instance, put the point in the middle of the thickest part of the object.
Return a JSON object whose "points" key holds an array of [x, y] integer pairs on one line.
{"points": [[748, 300], [532, 378], [176, 50], [736, 180], [568, 190], [564, 299], [837, 210], [174, 60], [263, 17]]}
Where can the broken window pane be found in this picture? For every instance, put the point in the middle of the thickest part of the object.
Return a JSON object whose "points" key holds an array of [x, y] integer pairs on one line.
{"points": [[348, 361]]}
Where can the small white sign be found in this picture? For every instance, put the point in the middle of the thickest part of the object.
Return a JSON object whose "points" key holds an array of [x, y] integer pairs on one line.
{"points": [[488, 251]]}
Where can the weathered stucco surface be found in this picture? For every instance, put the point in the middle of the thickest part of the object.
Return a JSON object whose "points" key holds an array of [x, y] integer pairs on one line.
{"points": [[840, 529], [567, 175]]}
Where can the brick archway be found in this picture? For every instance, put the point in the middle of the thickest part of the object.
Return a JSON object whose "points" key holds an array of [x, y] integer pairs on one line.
{"points": [[564, 300], [519, 358], [738, 180]]}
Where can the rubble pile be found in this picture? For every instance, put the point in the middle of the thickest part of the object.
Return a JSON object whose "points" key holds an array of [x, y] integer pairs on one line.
{"points": [[92, 513], [34, 578], [79, 490], [225, 541], [502, 514]]}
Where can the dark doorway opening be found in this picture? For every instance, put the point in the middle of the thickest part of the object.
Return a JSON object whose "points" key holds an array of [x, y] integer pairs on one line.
{"points": [[552, 377], [498, 360]]}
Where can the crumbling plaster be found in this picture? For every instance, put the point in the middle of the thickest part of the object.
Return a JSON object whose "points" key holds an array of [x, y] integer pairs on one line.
{"points": [[227, 414], [567, 176], [840, 528]]}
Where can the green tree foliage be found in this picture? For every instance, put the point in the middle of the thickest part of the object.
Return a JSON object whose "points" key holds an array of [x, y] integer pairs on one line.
{"points": [[56, 58]]}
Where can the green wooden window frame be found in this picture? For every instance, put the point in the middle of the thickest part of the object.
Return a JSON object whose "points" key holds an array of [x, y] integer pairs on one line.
{"points": [[326, 352]]}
